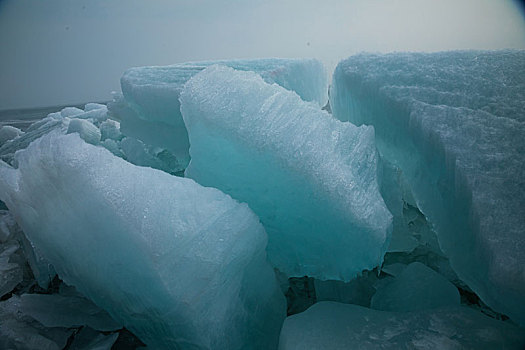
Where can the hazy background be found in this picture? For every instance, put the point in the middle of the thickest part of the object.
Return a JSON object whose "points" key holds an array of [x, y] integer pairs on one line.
{"points": [[66, 51]]}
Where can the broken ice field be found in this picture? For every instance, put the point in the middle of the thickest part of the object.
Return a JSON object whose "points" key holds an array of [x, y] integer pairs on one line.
{"points": [[237, 205]]}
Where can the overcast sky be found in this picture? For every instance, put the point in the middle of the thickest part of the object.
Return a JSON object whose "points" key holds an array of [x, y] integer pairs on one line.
{"points": [[67, 51]]}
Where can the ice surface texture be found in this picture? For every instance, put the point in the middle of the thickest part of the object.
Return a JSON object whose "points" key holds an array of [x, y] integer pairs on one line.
{"points": [[176, 263], [330, 325], [151, 109], [310, 178], [454, 123]]}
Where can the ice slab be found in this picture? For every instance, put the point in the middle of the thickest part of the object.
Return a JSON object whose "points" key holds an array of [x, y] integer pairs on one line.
{"points": [[310, 178], [150, 110], [176, 263], [417, 287], [453, 122], [330, 325]]}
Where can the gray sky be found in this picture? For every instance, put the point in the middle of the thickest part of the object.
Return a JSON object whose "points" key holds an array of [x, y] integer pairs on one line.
{"points": [[67, 51]]}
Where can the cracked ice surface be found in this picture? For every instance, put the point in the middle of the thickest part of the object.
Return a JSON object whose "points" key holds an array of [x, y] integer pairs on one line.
{"points": [[453, 122]]}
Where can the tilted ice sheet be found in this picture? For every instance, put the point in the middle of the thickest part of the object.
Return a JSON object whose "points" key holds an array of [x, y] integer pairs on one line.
{"points": [[454, 123], [330, 325], [150, 110], [309, 177], [176, 263]]}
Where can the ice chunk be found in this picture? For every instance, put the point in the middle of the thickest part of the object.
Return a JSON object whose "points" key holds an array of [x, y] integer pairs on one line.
{"points": [[173, 138], [176, 263], [11, 273], [310, 178], [110, 129], [453, 122], [43, 271], [88, 339], [7, 226], [13, 265], [330, 325], [69, 112], [53, 310], [8, 132], [416, 288], [151, 109], [19, 331], [87, 131], [33, 132], [138, 153]]}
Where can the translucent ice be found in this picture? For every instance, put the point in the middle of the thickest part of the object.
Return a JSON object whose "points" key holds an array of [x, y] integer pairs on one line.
{"points": [[330, 325], [310, 178], [176, 263], [417, 287], [453, 122], [151, 109]]}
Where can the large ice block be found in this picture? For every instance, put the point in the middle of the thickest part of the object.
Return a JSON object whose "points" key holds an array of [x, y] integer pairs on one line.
{"points": [[309, 177], [150, 110], [453, 122], [331, 325], [178, 264]]}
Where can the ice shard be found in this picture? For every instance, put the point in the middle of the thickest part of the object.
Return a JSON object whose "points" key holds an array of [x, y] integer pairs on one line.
{"points": [[178, 264], [309, 177], [150, 109], [453, 122]]}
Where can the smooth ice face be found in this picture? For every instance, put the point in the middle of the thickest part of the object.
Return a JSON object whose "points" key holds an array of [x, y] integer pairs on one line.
{"points": [[310, 178], [453, 122], [176, 263], [417, 287], [150, 109], [330, 325]]}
